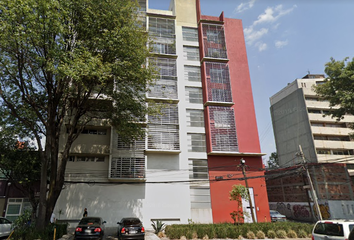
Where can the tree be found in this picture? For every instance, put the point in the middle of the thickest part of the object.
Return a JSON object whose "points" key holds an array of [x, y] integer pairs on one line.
{"points": [[19, 163], [63, 64], [273, 161], [338, 88], [238, 193]]}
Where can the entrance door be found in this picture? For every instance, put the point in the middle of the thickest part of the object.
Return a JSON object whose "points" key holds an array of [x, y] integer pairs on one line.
{"points": [[247, 209]]}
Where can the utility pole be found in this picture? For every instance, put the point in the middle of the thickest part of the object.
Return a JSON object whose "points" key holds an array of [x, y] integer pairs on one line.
{"points": [[314, 196], [243, 166]]}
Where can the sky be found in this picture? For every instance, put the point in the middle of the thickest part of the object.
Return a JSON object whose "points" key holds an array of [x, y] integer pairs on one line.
{"points": [[285, 40]]}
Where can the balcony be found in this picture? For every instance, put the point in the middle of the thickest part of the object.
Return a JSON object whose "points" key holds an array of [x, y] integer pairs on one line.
{"points": [[326, 144]]}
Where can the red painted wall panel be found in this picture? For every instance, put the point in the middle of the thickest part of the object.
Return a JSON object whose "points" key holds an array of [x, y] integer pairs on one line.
{"points": [[228, 168], [246, 125]]}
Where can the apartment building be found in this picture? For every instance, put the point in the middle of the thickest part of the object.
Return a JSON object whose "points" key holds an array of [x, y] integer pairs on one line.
{"points": [[298, 117], [190, 159]]}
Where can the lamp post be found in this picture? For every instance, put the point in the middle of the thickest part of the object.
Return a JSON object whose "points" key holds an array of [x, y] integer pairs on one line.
{"points": [[243, 166]]}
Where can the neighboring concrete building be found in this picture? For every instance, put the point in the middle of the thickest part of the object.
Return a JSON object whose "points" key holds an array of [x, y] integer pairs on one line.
{"points": [[188, 163], [289, 192], [298, 119]]}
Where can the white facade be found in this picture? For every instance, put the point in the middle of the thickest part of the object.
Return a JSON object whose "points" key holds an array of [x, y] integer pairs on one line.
{"points": [[165, 175], [298, 119]]}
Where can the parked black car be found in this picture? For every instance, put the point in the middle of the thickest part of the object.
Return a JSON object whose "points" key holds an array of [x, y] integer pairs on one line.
{"points": [[131, 229], [90, 228]]}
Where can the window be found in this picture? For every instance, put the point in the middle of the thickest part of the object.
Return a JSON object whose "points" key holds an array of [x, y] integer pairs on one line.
{"points": [[191, 53], [92, 131], [16, 207], [167, 68], [195, 118], [192, 73], [190, 34], [164, 89], [200, 198], [86, 158], [161, 27], [222, 119], [214, 41], [198, 169], [316, 111], [127, 167], [323, 151], [217, 75], [169, 115], [221, 95], [223, 129], [163, 137], [194, 95], [196, 143], [218, 82]]}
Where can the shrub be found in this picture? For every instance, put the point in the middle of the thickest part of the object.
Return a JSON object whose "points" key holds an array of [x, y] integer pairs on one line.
{"points": [[281, 233], [302, 234], [271, 234], [260, 235], [206, 237], [291, 234], [194, 235], [159, 226], [251, 235]]}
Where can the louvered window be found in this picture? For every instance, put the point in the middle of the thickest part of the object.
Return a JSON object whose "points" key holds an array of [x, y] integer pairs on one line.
{"points": [[127, 167], [191, 53], [166, 67], [164, 89], [196, 142], [223, 129], [200, 198], [169, 115], [195, 118], [162, 32], [163, 137], [194, 95], [190, 34], [198, 169], [192, 73]]}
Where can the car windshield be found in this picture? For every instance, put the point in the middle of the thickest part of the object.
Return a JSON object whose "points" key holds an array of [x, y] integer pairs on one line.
{"points": [[274, 213], [331, 229], [90, 221], [132, 221]]}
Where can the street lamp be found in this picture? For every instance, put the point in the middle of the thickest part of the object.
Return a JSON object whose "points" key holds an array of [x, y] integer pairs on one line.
{"points": [[243, 165]]}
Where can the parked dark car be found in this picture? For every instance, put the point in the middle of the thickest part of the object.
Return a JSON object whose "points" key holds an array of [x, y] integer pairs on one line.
{"points": [[275, 216], [131, 229], [90, 228]]}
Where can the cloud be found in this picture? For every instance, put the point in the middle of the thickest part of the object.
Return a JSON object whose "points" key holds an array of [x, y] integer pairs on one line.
{"points": [[272, 14], [244, 6], [252, 35], [261, 46], [280, 44], [269, 18]]}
